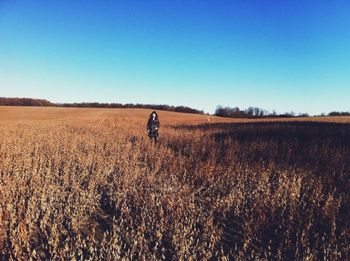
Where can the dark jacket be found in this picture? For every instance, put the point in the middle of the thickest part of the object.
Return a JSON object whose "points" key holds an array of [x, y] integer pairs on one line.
{"points": [[153, 125]]}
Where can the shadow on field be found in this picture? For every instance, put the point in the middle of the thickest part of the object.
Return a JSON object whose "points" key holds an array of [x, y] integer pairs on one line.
{"points": [[306, 132], [322, 150], [287, 144]]}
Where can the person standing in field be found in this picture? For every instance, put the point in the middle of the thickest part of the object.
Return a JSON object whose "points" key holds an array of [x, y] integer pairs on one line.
{"points": [[153, 126]]}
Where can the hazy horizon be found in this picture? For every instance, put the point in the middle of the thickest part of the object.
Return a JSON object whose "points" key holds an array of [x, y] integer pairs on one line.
{"points": [[285, 57]]}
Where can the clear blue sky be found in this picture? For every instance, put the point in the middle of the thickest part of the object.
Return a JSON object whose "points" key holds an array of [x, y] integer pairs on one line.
{"points": [[291, 55]]}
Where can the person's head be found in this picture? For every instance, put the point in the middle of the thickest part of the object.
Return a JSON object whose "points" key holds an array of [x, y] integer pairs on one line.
{"points": [[154, 115]]}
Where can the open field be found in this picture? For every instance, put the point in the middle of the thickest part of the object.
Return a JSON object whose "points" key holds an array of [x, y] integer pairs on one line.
{"points": [[137, 116], [86, 183]]}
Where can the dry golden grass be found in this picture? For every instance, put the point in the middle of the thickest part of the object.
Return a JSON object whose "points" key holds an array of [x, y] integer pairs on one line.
{"points": [[87, 184], [134, 115]]}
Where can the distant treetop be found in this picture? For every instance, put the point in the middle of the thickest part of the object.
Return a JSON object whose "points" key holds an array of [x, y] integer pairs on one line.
{"points": [[24, 102], [255, 112], [40, 102]]}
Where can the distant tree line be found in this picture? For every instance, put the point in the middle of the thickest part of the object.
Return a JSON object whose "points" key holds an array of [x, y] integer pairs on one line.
{"points": [[252, 112], [232, 112], [24, 102], [236, 112], [255, 112], [337, 113], [163, 107], [41, 102]]}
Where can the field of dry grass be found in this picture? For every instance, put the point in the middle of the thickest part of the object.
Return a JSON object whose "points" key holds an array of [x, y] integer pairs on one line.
{"points": [[87, 184]]}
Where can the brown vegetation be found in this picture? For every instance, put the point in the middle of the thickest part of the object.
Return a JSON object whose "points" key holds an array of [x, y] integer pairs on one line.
{"points": [[86, 183]]}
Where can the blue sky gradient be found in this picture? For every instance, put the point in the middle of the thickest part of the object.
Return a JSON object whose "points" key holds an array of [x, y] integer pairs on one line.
{"points": [[285, 55]]}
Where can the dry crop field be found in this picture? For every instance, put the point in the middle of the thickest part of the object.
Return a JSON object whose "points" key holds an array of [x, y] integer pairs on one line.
{"points": [[86, 184]]}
